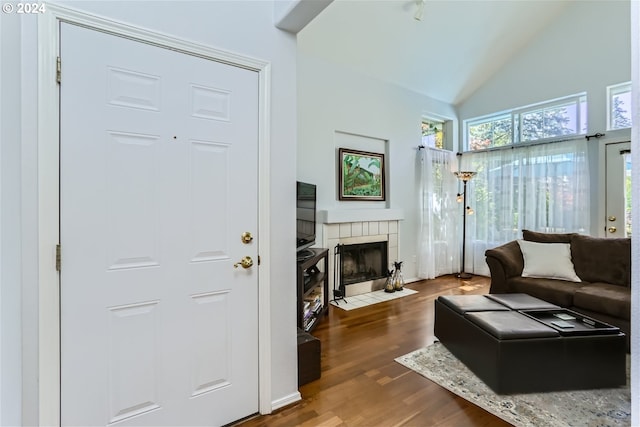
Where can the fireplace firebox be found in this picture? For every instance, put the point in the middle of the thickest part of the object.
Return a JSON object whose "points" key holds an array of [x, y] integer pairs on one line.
{"points": [[361, 262]]}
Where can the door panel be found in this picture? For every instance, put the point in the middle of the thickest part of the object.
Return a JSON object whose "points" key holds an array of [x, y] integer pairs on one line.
{"points": [[617, 220], [158, 180]]}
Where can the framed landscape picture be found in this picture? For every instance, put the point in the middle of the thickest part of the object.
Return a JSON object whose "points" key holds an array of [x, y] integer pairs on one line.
{"points": [[361, 175]]}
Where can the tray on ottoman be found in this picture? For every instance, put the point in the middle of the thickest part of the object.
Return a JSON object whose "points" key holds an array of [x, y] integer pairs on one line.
{"points": [[569, 322]]}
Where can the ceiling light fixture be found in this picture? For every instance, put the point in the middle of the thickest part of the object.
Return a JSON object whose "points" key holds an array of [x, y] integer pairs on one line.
{"points": [[420, 11]]}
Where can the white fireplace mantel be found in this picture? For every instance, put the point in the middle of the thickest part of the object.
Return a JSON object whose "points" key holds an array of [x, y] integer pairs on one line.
{"points": [[335, 216]]}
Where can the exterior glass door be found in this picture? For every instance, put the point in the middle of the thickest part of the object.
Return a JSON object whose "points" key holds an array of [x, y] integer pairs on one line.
{"points": [[618, 190]]}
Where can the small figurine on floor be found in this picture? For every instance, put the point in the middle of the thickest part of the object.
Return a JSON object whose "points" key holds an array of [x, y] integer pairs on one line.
{"points": [[398, 280], [389, 286]]}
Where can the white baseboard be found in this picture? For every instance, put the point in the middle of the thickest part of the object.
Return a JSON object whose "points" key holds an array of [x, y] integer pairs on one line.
{"points": [[286, 400]]}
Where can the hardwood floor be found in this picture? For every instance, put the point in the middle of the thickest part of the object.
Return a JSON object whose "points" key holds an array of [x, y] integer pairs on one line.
{"points": [[362, 385]]}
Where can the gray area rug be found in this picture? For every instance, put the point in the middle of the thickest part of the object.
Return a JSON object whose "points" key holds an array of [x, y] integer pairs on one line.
{"points": [[583, 408]]}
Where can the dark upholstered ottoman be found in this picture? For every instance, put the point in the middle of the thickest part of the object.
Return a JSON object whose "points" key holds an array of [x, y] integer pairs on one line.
{"points": [[515, 353]]}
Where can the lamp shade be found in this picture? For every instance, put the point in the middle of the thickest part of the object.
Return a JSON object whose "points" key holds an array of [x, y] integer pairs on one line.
{"points": [[465, 175]]}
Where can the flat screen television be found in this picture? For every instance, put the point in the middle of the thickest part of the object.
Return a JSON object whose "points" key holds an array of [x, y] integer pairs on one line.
{"points": [[305, 215]]}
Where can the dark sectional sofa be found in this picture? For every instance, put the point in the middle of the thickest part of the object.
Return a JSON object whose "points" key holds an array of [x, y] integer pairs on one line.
{"points": [[602, 264]]}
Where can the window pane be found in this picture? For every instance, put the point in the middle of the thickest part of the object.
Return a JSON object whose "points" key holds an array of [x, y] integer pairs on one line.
{"points": [[550, 122], [619, 97], [492, 133], [621, 110], [532, 126], [502, 132], [432, 133]]}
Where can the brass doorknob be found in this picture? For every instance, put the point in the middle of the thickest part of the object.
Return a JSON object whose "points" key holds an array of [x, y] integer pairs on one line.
{"points": [[612, 229], [611, 218], [245, 262]]}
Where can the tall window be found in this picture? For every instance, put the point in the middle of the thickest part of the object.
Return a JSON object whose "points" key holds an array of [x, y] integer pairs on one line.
{"points": [[439, 244], [432, 133], [619, 106], [543, 187], [547, 120]]}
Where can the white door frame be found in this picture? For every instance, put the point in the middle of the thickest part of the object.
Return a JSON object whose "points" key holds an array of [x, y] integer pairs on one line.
{"points": [[49, 197]]}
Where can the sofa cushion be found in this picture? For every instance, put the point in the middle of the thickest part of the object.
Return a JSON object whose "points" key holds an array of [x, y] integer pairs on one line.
{"points": [[559, 292], [604, 298], [599, 259], [535, 236], [547, 260]]}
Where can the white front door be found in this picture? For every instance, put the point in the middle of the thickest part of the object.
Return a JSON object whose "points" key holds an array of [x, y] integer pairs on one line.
{"points": [[158, 181], [618, 190]]}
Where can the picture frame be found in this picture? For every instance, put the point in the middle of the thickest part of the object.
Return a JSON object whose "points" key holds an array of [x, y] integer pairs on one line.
{"points": [[361, 175]]}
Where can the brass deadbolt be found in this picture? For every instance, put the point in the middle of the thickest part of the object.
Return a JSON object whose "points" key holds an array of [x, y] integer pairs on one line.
{"points": [[246, 237]]}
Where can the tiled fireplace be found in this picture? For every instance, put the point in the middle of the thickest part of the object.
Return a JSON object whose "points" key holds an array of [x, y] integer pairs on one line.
{"points": [[358, 226]]}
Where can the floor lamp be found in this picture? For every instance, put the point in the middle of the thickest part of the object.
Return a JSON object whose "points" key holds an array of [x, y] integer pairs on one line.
{"points": [[464, 177]]}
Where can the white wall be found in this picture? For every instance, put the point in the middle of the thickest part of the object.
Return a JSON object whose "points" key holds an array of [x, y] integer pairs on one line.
{"points": [[585, 49], [244, 27], [333, 99]]}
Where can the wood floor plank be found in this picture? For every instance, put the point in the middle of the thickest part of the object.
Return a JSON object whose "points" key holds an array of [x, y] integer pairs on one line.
{"points": [[362, 385]]}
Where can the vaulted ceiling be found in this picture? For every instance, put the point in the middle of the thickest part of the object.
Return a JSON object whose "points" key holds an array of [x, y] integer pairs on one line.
{"points": [[448, 54]]}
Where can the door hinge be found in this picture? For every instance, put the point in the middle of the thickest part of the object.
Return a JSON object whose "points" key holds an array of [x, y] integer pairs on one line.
{"points": [[58, 70], [58, 258]]}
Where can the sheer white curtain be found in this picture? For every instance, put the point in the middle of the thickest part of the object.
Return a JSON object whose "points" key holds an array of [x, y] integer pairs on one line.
{"points": [[439, 243], [541, 187]]}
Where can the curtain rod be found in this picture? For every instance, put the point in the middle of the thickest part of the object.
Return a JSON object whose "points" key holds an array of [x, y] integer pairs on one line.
{"points": [[596, 135], [530, 144], [420, 147]]}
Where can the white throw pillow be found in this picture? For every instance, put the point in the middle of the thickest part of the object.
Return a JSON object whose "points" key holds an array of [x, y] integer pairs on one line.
{"points": [[548, 260]]}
